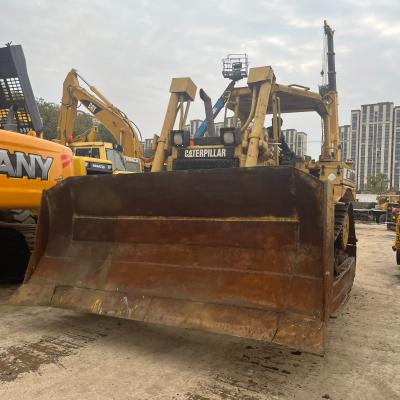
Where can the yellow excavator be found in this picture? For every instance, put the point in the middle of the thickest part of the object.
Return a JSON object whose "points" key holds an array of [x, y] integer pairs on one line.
{"points": [[126, 155], [28, 164], [229, 233]]}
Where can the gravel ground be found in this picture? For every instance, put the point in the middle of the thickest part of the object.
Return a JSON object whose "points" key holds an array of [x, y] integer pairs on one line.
{"points": [[56, 354]]}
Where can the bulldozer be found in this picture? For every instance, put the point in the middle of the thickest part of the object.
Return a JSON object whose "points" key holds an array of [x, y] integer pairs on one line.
{"points": [[228, 233], [125, 154], [28, 164]]}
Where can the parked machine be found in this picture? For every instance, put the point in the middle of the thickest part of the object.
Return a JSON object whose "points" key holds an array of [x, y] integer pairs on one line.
{"points": [[228, 233], [379, 211], [126, 155], [28, 164], [392, 211], [396, 244]]}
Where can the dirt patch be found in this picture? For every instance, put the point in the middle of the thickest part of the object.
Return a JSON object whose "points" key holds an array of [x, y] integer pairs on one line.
{"points": [[29, 357]]}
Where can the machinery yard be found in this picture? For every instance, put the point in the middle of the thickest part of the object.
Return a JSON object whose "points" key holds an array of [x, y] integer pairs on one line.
{"points": [[211, 257], [48, 353]]}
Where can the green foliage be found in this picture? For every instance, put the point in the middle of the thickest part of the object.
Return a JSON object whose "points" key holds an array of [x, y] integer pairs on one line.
{"points": [[105, 135], [49, 113], [378, 184], [83, 123]]}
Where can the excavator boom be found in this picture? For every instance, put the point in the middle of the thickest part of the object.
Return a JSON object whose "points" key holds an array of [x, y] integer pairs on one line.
{"points": [[114, 120]]}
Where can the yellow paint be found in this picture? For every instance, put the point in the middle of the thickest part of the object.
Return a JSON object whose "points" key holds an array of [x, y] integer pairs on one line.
{"points": [[96, 307], [23, 192]]}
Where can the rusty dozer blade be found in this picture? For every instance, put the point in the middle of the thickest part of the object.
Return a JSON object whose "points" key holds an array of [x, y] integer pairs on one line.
{"points": [[244, 252]]}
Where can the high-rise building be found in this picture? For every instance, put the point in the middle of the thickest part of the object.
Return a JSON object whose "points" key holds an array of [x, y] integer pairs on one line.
{"points": [[290, 138], [345, 142], [297, 141], [301, 144], [354, 136], [349, 139], [396, 149], [147, 147], [230, 122], [375, 143], [218, 126], [194, 124]]}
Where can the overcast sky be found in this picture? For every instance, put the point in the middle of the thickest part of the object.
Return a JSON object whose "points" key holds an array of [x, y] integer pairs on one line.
{"points": [[130, 50]]}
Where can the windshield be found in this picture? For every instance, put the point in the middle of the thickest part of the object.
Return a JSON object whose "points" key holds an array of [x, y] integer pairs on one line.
{"points": [[87, 152], [132, 166], [116, 158]]}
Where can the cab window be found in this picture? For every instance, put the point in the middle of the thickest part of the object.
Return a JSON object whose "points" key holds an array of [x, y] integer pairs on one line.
{"points": [[116, 158], [93, 152], [132, 166]]}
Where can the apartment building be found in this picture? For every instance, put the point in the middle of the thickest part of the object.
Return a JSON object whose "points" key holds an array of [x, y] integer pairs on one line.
{"points": [[374, 141], [297, 141]]}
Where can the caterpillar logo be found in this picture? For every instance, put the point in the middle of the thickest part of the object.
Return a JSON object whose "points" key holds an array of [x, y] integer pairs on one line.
{"points": [[19, 164], [92, 107], [205, 153]]}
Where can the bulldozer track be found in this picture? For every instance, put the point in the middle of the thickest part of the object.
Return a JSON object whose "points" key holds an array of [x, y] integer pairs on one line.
{"points": [[341, 209]]}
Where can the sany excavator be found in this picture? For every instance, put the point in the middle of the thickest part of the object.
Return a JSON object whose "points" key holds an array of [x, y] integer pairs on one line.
{"points": [[28, 164], [230, 239], [126, 155]]}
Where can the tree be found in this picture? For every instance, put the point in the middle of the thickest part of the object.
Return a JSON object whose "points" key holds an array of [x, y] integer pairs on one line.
{"points": [[378, 184], [49, 113]]}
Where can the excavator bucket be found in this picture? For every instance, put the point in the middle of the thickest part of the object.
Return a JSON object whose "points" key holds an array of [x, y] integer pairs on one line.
{"points": [[244, 252]]}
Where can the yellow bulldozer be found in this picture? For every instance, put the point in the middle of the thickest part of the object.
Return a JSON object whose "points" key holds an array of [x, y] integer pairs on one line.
{"points": [[229, 233]]}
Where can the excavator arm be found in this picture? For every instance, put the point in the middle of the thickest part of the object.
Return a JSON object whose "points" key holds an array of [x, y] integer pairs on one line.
{"points": [[116, 122]]}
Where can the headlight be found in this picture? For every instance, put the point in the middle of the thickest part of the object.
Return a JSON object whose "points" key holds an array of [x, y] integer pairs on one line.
{"points": [[86, 164], [179, 138], [230, 136]]}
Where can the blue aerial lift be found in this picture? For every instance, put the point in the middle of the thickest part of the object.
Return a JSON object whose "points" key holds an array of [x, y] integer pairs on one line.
{"points": [[234, 68]]}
